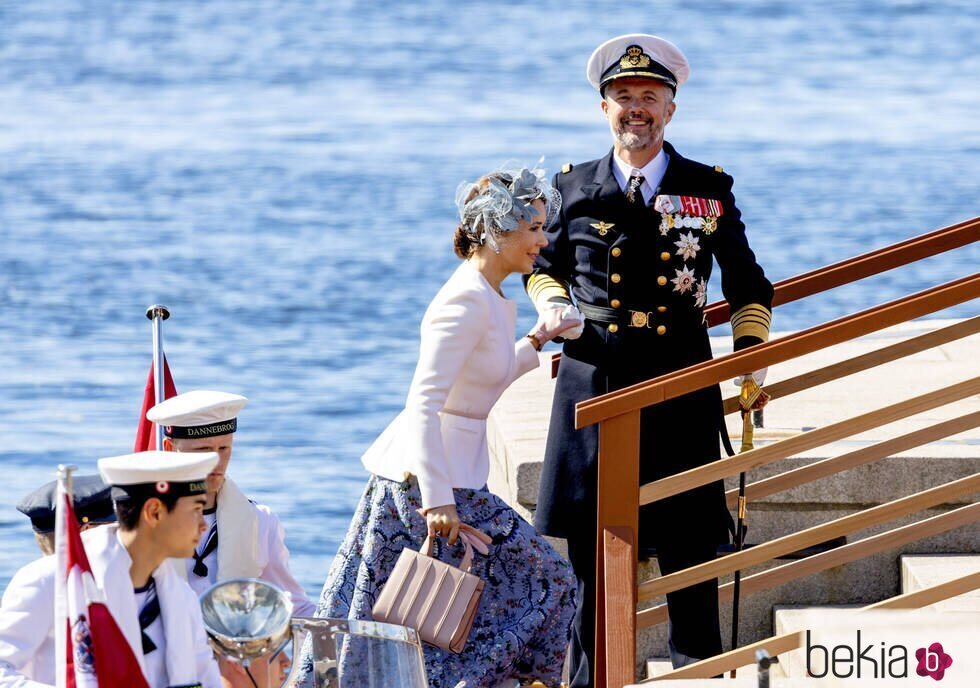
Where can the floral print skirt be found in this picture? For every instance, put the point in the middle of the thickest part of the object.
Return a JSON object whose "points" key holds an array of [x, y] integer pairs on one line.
{"points": [[522, 625]]}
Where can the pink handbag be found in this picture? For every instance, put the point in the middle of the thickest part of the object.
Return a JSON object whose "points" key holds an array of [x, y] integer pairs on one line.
{"points": [[436, 599]]}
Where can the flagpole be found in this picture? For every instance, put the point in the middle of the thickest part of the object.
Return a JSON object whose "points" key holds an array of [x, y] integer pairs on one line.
{"points": [[157, 314], [64, 491]]}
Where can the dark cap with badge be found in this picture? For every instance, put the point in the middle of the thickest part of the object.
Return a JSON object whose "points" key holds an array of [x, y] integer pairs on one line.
{"points": [[90, 496], [640, 56], [197, 414]]}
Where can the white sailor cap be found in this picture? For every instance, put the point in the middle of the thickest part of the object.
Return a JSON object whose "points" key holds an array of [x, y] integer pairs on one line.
{"points": [[155, 473], [637, 55], [200, 413]]}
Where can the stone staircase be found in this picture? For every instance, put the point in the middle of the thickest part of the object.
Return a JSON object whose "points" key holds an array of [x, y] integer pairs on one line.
{"points": [[916, 572], [518, 426]]}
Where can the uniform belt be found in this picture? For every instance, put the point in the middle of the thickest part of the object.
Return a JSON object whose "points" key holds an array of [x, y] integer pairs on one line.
{"points": [[638, 319], [600, 313]]}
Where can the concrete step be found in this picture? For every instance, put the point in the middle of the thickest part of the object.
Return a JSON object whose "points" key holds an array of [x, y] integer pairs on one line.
{"points": [[925, 570], [658, 666], [788, 618]]}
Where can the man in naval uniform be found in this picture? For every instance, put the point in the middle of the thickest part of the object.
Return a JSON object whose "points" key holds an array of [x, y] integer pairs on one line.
{"points": [[159, 504], [90, 498], [244, 539], [633, 246]]}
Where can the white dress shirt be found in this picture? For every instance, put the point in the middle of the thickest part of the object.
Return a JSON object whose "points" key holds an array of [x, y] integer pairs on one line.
{"points": [[467, 358], [653, 174]]}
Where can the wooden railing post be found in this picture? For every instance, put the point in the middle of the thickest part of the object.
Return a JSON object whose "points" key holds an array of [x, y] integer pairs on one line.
{"points": [[616, 539]]}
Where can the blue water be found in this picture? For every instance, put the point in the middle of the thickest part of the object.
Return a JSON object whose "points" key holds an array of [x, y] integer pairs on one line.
{"points": [[281, 176]]}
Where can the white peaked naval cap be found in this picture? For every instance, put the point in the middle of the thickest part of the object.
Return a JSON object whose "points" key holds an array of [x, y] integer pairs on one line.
{"points": [[158, 472], [637, 55], [201, 413]]}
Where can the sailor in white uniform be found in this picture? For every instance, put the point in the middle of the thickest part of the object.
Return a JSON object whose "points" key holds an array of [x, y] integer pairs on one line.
{"points": [[159, 503], [244, 539]]}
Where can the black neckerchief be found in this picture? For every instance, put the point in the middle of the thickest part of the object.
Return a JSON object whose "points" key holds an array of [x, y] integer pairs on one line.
{"points": [[210, 545], [148, 614]]}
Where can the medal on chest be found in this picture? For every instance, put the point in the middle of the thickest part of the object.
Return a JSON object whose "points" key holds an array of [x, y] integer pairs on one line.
{"points": [[687, 212]]}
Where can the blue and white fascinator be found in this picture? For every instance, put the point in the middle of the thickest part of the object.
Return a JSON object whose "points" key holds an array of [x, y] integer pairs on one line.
{"points": [[503, 200]]}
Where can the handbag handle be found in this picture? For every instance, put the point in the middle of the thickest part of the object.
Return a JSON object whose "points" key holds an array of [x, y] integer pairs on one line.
{"points": [[472, 539]]}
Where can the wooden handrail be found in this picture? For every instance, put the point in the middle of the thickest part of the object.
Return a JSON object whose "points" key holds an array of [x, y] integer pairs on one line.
{"points": [[716, 470], [864, 265], [811, 536], [788, 642], [859, 457], [926, 596], [886, 354], [760, 356], [838, 556], [719, 664], [618, 415]]}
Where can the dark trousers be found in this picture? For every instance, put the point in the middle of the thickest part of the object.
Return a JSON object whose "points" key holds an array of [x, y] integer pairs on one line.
{"points": [[694, 632]]}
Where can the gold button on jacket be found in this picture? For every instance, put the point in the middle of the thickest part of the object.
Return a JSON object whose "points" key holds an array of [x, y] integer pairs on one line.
{"points": [[614, 328], [616, 278], [664, 256], [617, 252], [660, 280], [661, 329], [615, 303]]}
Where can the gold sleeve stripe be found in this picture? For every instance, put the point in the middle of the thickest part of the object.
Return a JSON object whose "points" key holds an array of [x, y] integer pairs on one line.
{"points": [[542, 288], [752, 320]]}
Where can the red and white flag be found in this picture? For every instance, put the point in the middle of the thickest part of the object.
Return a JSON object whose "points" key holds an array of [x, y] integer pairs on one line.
{"points": [[92, 651], [144, 430]]}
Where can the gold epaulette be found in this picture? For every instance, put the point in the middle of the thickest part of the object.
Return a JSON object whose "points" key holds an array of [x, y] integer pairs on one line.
{"points": [[543, 288], [566, 168], [752, 320], [718, 168]]}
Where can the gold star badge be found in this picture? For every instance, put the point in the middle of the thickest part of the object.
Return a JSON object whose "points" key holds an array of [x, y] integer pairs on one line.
{"points": [[603, 227]]}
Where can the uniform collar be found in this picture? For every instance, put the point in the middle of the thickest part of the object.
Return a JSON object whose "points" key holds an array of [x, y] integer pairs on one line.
{"points": [[653, 173]]}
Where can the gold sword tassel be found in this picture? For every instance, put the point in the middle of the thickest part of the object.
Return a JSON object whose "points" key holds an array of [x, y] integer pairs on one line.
{"points": [[748, 395]]}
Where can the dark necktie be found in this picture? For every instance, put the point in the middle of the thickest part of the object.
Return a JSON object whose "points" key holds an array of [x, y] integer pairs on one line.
{"points": [[148, 614], [200, 568], [633, 194]]}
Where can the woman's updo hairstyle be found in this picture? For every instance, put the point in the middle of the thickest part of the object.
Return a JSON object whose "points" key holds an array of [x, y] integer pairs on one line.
{"points": [[494, 204]]}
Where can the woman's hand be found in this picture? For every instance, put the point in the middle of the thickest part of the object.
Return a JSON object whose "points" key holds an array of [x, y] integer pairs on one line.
{"points": [[558, 320], [444, 521]]}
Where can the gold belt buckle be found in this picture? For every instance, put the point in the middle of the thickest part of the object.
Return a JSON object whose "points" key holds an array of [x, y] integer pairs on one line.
{"points": [[641, 318]]}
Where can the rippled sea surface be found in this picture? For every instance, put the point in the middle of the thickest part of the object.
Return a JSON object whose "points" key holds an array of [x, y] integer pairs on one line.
{"points": [[281, 176]]}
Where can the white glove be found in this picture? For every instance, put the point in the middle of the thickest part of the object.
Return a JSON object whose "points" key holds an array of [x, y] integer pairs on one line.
{"points": [[557, 319], [759, 376]]}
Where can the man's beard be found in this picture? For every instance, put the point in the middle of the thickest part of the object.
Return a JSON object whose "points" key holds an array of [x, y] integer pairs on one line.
{"points": [[631, 141]]}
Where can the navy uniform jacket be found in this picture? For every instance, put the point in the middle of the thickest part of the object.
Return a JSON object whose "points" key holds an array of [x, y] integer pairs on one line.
{"points": [[610, 254]]}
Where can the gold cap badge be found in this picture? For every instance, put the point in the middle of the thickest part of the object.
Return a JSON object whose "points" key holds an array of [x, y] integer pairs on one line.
{"points": [[634, 57]]}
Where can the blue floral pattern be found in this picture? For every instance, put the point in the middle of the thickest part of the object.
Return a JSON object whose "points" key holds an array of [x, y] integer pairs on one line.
{"points": [[522, 625]]}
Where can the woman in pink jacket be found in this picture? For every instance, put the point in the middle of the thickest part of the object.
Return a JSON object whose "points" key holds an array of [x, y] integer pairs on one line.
{"points": [[430, 466]]}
